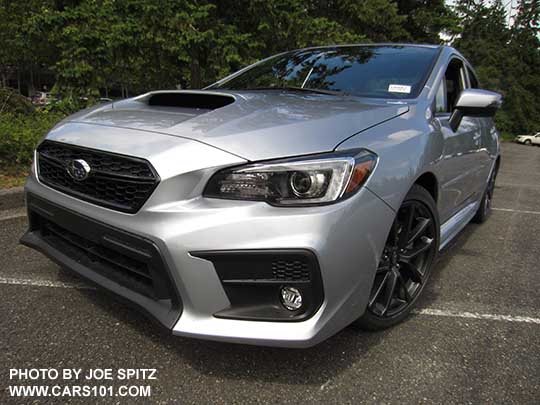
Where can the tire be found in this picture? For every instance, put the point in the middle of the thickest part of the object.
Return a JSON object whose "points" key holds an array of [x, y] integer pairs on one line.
{"points": [[406, 262], [484, 210], [527, 142]]}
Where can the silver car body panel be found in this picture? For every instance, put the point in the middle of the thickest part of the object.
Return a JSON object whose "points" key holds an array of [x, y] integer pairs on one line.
{"points": [[194, 224], [257, 126], [187, 147]]}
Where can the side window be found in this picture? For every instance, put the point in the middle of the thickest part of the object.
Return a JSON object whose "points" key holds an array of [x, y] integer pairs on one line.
{"points": [[441, 105], [450, 87], [472, 79]]}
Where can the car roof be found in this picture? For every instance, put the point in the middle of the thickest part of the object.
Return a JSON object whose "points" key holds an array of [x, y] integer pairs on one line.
{"points": [[431, 46]]}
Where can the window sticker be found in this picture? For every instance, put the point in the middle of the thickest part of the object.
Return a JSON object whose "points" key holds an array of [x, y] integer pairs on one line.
{"points": [[399, 88]]}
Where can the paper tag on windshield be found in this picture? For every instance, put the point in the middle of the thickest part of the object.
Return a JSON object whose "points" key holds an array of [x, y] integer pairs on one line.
{"points": [[399, 88]]}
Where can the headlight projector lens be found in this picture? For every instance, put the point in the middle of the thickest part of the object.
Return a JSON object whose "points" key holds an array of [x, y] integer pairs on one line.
{"points": [[308, 184], [291, 298]]}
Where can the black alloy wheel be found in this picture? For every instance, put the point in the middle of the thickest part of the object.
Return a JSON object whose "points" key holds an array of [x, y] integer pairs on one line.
{"points": [[489, 192], [484, 210], [406, 262]]}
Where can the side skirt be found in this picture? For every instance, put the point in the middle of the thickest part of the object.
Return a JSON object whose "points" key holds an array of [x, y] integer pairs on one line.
{"points": [[454, 225]]}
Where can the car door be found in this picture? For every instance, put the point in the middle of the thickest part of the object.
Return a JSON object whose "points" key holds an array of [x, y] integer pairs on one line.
{"points": [[536, 139], [458, 166], [486, 146]]}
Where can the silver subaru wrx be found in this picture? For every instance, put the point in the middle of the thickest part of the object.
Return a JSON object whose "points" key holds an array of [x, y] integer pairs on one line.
{"points": [[308, 191]]}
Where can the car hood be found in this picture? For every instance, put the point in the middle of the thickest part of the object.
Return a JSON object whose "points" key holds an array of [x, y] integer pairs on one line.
{"points": [[253, 125]]}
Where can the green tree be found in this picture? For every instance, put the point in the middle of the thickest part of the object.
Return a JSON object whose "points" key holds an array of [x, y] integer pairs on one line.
{"points": [[21, 55], [525, 75], [506, 59], [426, 20], [371, 20]]}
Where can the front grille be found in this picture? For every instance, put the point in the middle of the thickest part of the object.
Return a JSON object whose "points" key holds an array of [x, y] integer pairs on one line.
{"points": [[290, 270], [127, 264], [118, 182]]}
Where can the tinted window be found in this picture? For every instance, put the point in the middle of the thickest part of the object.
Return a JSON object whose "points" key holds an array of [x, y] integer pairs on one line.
{"points": [[369, 71], [450, 88]]}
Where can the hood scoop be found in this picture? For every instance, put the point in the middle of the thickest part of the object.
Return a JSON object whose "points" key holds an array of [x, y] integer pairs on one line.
{"points": [[191, 100], [156, 111]]}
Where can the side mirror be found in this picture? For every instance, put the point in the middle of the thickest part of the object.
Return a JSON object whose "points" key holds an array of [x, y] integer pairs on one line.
{"points": [[475, 103]]}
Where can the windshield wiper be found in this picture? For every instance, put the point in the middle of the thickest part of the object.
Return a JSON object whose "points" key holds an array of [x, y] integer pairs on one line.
{"points": [[303, 89]]}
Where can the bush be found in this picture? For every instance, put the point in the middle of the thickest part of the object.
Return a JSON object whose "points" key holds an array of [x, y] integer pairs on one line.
{"points": [[22, 126], [63, 106], [66, 101], [13, 102], [20, 133]]}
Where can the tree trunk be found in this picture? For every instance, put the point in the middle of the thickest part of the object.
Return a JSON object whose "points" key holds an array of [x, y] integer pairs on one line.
{"points": [[195, 69], [31, 88]]}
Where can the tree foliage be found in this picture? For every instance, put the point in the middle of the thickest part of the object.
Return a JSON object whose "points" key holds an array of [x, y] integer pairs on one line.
{"points": [[95, 47], [507, 59]]}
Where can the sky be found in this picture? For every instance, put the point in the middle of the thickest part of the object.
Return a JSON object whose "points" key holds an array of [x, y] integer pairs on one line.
{"points": [[510, 6]]}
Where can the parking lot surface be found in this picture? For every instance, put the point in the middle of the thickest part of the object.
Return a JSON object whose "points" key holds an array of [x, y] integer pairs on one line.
{"points": [[474, 338]]}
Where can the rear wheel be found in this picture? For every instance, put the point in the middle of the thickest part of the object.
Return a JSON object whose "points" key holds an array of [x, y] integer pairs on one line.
{"points": [[406, 262], [484, 210]]}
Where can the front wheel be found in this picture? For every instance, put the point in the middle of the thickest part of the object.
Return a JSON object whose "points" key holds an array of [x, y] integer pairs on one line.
{"points": [[528, 142], [406, 262]]}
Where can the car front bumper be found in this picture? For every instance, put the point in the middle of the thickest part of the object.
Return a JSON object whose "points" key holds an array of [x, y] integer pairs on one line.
{"points": [[346, 240]]}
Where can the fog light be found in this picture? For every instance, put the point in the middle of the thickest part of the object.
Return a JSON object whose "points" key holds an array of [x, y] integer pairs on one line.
{"points": [[291, 298]]}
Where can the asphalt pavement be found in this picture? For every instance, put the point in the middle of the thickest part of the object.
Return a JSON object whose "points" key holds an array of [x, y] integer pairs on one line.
{"points": [[474, 338]]}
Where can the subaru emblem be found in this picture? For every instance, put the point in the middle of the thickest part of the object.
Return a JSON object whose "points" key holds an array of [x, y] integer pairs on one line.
{"points": [[78, 169]]}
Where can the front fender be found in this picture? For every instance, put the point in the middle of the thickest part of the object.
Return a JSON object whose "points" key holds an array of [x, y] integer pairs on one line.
{"points": [[407, 147]]}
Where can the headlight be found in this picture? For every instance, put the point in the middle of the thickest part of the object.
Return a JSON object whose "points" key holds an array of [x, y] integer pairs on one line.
{"points": [[315, 179]]}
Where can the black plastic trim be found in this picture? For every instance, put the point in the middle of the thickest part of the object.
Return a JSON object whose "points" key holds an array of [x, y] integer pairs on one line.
{"points": [[166, 308], [247, 279], [204, 101]]}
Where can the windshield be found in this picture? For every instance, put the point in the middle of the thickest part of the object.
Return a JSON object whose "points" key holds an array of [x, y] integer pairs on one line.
{"points": [[388, 71]]}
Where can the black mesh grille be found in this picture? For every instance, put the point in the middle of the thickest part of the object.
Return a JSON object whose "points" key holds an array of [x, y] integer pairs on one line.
{"points": [[123, 269], [115, 181], [291, 270], [122, 262]]}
